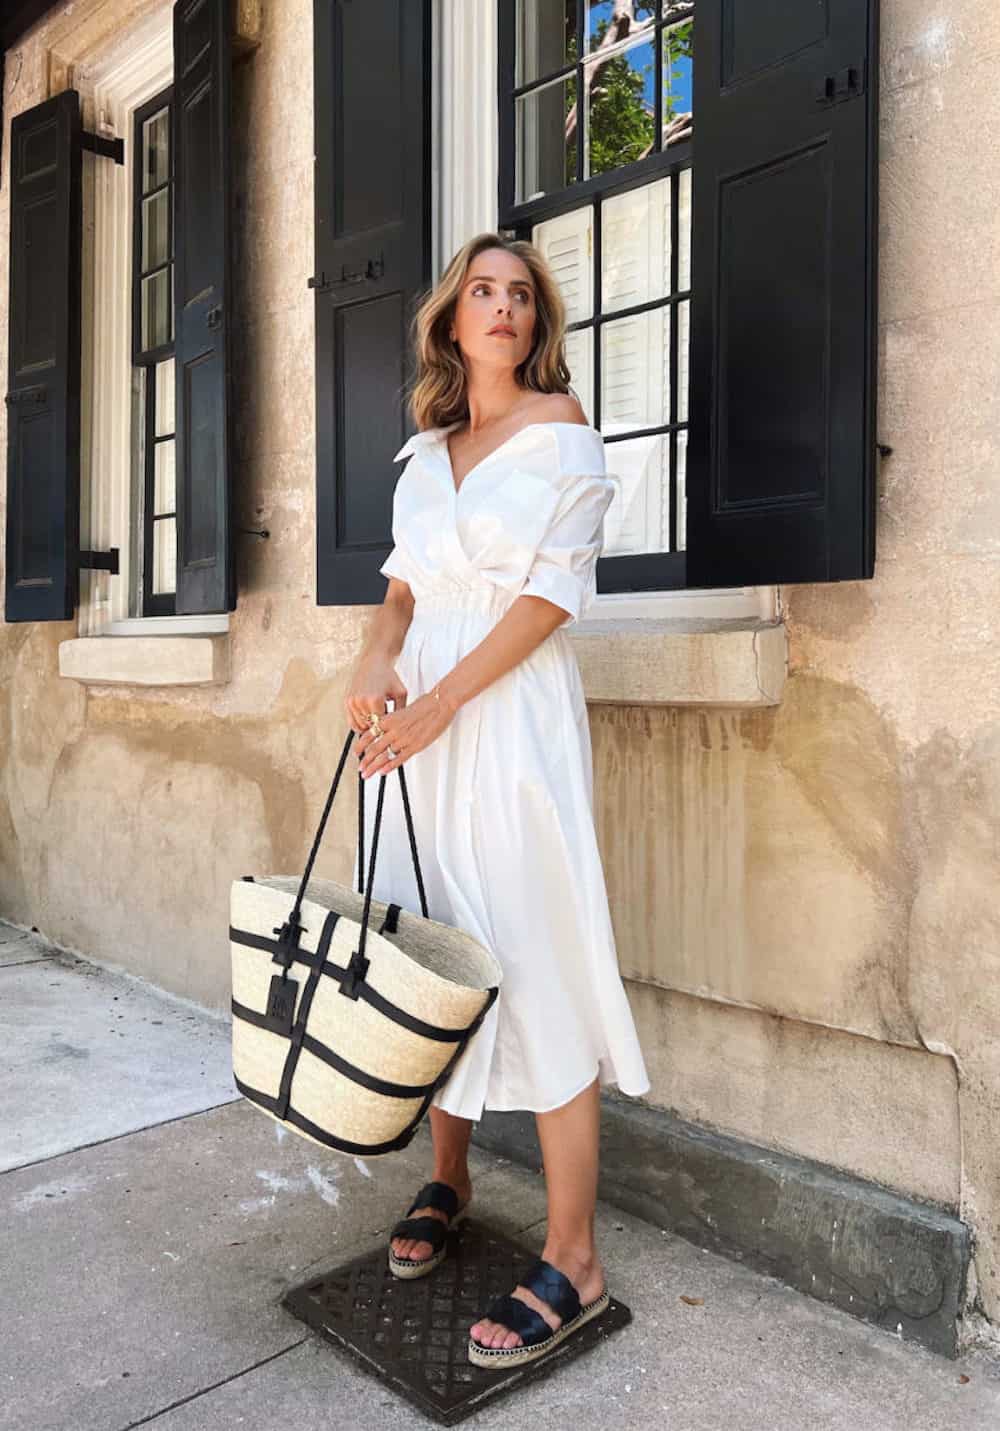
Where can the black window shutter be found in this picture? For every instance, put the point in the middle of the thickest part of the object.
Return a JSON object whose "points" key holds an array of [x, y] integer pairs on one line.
{"points": [[43, 393], [781, 468], [373, 254], [206, 579]]}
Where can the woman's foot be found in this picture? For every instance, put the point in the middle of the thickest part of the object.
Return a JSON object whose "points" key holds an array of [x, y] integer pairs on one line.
{"points": [[584, 1271], [419, 1251]]}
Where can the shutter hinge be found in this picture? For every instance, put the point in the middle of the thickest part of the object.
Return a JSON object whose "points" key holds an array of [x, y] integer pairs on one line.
{"points": [[375, 268], [100, 561], [105, 147], [848, 83], [37, 393]]}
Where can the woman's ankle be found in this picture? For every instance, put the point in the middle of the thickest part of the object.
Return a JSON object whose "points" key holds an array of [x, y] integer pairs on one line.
{"points": [[572, 1256], [458, 1179]]}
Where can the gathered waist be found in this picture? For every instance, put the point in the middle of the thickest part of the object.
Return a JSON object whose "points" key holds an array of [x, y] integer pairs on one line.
{"points": [[484, 600]]}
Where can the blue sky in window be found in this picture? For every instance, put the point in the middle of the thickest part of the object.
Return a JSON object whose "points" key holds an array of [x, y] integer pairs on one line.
{"points": [[678, 76]]}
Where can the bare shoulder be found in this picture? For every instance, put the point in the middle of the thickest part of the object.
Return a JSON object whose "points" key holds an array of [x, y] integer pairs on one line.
{"points": [[559, 407]]}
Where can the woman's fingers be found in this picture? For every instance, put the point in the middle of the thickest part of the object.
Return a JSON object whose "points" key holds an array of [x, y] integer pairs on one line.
{"points": [[375, 757], [359, 712]]}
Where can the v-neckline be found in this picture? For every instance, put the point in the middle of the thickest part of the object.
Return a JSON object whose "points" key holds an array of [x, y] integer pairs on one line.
{"points": [[585, 427]]}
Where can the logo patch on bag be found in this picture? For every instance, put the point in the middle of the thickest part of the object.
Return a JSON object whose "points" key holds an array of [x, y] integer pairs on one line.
{"points": [[281, 1003]]}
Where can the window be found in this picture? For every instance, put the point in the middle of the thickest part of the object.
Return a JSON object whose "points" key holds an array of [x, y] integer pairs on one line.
{"points": [[602, 186], [120, 272], [703, 182], [153, 352]]}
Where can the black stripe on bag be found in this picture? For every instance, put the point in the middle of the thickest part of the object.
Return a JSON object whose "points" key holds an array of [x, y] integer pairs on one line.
{"points": [[371, 996], [401, 1140], [342, 1145], [349, 1070], [299, 1027], [358, 1075]]}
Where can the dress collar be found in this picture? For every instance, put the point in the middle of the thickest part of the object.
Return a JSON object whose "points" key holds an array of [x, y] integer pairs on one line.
{"points": [[428, 436]]}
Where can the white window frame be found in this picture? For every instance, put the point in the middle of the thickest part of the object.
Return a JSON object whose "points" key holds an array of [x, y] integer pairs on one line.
{"points": [[114, 82], [464, 169]]}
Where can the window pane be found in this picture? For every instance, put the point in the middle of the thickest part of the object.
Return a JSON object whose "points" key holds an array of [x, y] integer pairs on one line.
{"points": [[638, 519], [164, 417], [601, 12], [546, 152], [155, 230], [683, 352], [164, 496], [155, 150], [635, 371], [546, 38], [618, 108], [682, 447], [164, 556], [678, 41], [579, 348], [566, 243], [684, 231], [156, 293], [635, 246]]}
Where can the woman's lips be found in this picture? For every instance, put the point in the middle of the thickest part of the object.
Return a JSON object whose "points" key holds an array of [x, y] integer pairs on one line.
{"points": [[500, 333]]}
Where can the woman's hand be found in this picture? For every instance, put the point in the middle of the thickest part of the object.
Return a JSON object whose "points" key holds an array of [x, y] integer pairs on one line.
{"points": [[373, 683], [407, 731]]}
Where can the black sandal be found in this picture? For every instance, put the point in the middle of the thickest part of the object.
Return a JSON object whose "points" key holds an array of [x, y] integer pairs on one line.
{"points": [[426, 1229], [537, 1337]]}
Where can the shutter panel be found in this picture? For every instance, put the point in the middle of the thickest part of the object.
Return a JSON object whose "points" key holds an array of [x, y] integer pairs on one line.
{"points": [[636, 246], [206, 579], [373, 259], [781, 479], [566, 243], [43, 397]]}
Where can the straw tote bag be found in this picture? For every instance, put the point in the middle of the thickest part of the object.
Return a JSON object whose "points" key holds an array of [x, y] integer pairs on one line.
{"points": [[344, 1032]]}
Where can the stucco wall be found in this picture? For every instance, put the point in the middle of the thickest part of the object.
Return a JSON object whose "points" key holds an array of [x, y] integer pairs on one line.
{"points": [[805, 897]]}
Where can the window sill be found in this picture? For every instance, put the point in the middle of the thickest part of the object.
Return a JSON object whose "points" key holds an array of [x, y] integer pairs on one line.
{"points": [[681, 661], [166, 660]]}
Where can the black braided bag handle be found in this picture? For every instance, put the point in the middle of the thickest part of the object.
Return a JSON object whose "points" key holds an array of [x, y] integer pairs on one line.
{"points": [[289, 932]]}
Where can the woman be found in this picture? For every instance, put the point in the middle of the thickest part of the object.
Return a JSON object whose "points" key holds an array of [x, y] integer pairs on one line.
{"points": [[497, 525]]}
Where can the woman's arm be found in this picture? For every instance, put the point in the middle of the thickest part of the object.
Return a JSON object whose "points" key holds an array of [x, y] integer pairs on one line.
{"points": [[523, 626], [388, 627], [374, 679]]}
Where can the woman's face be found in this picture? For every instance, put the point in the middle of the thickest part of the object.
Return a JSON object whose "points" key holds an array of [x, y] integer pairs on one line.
{"points": [[497, 294]]}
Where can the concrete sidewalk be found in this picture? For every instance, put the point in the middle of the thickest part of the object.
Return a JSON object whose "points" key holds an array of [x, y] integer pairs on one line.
{"points": [[152, 1220]]}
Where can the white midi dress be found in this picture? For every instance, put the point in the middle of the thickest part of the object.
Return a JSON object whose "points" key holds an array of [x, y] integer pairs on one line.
{"points": [[502, 800]]}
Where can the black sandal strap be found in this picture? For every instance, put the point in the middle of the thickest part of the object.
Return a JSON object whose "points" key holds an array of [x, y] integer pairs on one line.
{"points": [[421, 1229], [554, 1287], [438, 1196], [518, 1317]]}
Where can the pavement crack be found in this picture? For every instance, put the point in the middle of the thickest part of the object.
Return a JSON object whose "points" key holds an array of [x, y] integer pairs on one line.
{"points": [[117, 1137], [184, 1400]]}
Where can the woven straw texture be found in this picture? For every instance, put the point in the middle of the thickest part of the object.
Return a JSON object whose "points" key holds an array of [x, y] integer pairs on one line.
{"points": [[430, 970]]}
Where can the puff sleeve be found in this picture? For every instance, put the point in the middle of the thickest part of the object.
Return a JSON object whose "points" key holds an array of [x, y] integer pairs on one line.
{"points": [[396, 564], [564, 569]]}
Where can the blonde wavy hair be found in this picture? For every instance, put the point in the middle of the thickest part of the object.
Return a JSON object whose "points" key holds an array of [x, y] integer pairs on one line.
{"points": [[438, 396]]}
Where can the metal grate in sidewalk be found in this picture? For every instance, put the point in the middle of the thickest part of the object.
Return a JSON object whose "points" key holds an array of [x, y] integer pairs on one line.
{"points": [[414, 1334]]}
